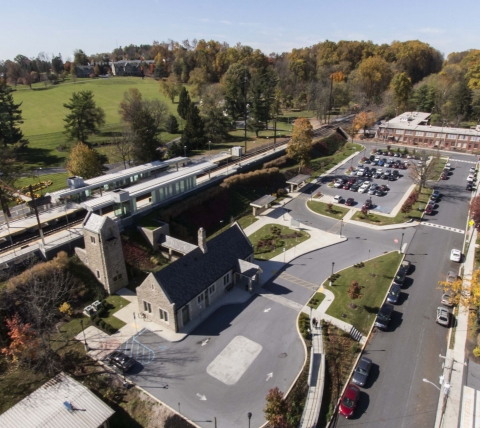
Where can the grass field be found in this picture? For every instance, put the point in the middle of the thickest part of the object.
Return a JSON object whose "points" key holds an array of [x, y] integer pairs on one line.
{"points": [[373, 293], [322, 208]]}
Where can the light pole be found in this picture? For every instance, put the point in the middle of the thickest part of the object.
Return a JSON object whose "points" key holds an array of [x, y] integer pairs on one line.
{"points": [[209, 145], [249, 415], [185, 151], [84, 338], [431, 383], [331, 277], [401, 243], [341, 226], [245, 96]]}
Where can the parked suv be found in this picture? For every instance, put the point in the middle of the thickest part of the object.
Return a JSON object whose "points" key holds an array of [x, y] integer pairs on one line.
{"points": [[400, 276], [120, 360], [383, 316]]}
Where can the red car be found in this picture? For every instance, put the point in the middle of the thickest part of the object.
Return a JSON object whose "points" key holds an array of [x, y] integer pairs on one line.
{"points": [[347, 186], [349, 400], [349, 202], [429, 209]]}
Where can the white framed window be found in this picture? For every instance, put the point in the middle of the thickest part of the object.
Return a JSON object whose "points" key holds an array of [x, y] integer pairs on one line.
{"points": [[408, 132], [452, 136], [92, 239], [211, 289], [462, 137], [430, 134], [163, 315], [98, 273], [200, 298], [147, 307], [419, 133], [226, 279]]}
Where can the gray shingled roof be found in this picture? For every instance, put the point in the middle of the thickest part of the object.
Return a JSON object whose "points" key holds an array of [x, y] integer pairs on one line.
{"points": [[176, 244], [193, 273], [263, 201]]}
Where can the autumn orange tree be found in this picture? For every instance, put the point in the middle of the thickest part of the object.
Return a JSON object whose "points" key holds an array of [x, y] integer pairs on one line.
{"points": [[475, 210], [363, 120], [465, 292], [276, 410], [23, 341], [300, 145], [84, 162]]}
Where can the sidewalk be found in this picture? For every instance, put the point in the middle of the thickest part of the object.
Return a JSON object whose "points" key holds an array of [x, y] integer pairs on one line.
{"points": [[448, 414]]}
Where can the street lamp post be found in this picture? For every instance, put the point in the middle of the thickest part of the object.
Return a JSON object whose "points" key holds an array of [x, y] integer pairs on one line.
{"points": [[401, 243], [341, 226], [245, 96], [249, 415], [333, 265], [209, 145], [84, 338], [185, 151]]}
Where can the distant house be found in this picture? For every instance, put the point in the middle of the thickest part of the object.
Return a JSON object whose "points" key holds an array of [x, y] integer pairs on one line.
{"points": [[181, 291], [59, 403], [130, 68], [84, 70]]}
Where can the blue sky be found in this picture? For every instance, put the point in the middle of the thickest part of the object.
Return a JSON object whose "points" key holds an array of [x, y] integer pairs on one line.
{"points": [[32, 26]]}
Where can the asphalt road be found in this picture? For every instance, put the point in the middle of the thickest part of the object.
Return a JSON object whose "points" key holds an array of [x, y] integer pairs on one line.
{"points": [[409, 351]]}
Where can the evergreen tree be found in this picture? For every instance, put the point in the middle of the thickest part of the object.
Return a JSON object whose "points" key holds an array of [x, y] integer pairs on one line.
{"points": [[171, 126], [194, 133], [183, 103], [146, 141], [85, 118], [174, 150], [462, 101], [10, 118]]}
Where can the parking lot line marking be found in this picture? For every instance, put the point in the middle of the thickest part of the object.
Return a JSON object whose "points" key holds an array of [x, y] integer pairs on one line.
{"points": [[458, 160], [282, 301], [439, 226], [138, 349]]}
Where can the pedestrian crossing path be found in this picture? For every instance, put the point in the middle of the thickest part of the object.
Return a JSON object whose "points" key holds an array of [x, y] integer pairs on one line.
{"points": [[355, 334], [460, 160], [281, 300], [439, 226], [298, 281]]}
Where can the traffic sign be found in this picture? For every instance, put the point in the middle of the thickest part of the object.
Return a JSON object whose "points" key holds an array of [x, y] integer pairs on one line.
{"points": [[395, 240]]}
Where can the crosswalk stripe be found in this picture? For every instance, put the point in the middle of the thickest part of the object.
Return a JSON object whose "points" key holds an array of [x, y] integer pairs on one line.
{"points": [[439, 226], [458, 160], [282, 301], [298, 281]]}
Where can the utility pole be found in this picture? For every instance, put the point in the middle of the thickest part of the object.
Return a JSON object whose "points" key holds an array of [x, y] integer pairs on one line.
{"points": [[34, 205], [245, 110]]}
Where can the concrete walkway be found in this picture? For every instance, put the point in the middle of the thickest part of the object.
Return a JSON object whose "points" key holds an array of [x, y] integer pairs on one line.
{"points": [[450, 403]]}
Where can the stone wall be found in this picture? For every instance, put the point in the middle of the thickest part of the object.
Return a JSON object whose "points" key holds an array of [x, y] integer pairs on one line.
{"points": [[153, 236], [151, 292]]}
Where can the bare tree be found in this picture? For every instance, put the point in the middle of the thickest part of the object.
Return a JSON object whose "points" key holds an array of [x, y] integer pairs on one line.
{"points": [[424, 170], [123, 146]]}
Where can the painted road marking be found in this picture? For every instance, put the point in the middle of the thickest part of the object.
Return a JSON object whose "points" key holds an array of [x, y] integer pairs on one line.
{"points": [[458, 160], [267, 310], [202, 397], [143, 354], [298, 281], [282, 301], [204, 342], [439, 226], [269, 376], [235, 359]]}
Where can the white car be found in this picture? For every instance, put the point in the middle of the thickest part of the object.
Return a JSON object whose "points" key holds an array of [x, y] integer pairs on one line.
{"points": [[471, 177], [360, 173], [364, 187], [338, 199], [448, 165], [472, 170], [338, 183], [455, 255]]}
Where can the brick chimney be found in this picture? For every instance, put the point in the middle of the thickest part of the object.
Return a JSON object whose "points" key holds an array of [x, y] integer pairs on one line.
{"points": [[202, 240]]}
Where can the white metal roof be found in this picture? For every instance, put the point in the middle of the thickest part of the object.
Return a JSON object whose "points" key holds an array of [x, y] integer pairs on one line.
{"points": [[435, 129], [96, 182], [412, 117], [98, 203], [45, 407]]}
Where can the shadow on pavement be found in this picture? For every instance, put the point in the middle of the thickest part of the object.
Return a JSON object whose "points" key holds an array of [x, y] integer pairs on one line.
{"points": [[395, 321]]}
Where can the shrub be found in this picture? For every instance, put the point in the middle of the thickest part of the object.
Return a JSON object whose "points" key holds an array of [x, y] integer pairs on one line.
{"points": [[476, 351], [102, 324], [101, 312], [66, 309]]}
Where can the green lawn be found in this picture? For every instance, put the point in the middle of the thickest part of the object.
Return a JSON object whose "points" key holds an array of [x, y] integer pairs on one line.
{"points": [[415, 214], [287, 242], [322, 208], [438, 169], [374, 291], [59, 181], [316, 300]]}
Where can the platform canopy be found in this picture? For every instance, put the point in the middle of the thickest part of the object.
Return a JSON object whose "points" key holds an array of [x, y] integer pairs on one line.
{"points": [[262, 202]]}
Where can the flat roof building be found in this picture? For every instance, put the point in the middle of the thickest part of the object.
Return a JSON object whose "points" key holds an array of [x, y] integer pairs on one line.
{"points": [[412, 128]]}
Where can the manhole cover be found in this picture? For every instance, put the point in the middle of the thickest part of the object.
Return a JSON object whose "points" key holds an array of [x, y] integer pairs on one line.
{"points": [[283, 355]]}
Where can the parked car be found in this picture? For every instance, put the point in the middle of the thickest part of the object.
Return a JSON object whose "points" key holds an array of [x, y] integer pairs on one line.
{"points": [[347, 186], [383, 316], [472, 170], [368, 204], [469, 186], [406, 264], [429, 209], [352, 180], [448, 165], [455, 255], [435, 195], [349, 400], [400, 276], [471, 177], [451, 276], [392, 177], [372, 189], [120, 360], [349, 202], [379, 192], [361, 372], [339, 183], [447, 300], [338, 199], [396, 173], [384, 187], [443, 316], [444, 175], [394, 294]]}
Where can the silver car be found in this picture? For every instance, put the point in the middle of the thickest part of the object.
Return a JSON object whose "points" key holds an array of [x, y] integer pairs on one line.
{"points": [[443, 316], [360, 375]]}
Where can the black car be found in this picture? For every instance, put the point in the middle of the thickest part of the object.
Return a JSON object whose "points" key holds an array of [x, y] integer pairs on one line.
{"points": [[360, 375], [469, 186], [400, 276], [120, 360], [368, 204], [393, 294], [379, 192], [383, 316], [392, 177], [396, 173]]}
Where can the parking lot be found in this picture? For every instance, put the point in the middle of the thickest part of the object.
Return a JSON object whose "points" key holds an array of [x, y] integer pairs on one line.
{"points": [[383, 204]]}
